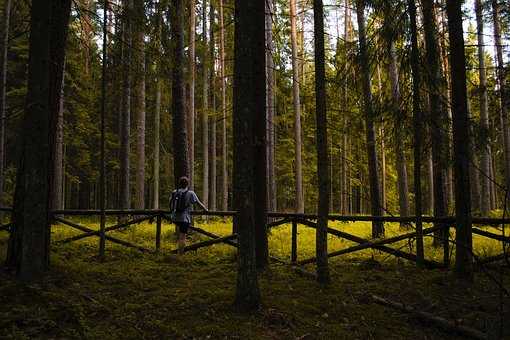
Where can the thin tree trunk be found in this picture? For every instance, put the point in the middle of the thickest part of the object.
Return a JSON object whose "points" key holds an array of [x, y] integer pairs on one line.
{"points": [[298, 172], [503, 96], [224, 154], [139, 101], [324, 183], [125, 193], [375, 194], [249, 102], [484, 113], [157, 110], [435, 86], [58, 159], [205, 107], [3, 83], [192, 76], [461, 142], [345, 194], [180, 139], [213, 191], [270, 107]]}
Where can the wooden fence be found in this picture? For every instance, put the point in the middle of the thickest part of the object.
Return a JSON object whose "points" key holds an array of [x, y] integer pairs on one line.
{"points": [[132, 218]]}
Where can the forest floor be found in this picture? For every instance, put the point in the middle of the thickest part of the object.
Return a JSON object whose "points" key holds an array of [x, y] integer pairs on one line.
{"points": [[133, 295]]}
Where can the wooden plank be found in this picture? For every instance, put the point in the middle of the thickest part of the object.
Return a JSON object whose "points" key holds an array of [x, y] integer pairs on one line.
{"points": [[206, 243], [389, 250], [490, 235], [278, 223], [213, 236], [109, 238]]}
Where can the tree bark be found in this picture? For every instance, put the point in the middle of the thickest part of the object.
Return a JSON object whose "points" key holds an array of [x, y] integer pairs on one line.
{"points": [[125, 132], [29, 243], [139, 100], [180, 139], [270, 108], [205, 107], [3, 83], [298, 172], [58, 159], [484, 114], [224, 154], [503, 95], [249, 103], [191, 108], [213, 191], [436, 88], [375, 193], [321, 236], [461, 142], [157, 111]]}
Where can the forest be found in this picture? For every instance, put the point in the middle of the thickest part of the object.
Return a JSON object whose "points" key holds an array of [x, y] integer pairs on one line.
{"points": [[263, 169]]}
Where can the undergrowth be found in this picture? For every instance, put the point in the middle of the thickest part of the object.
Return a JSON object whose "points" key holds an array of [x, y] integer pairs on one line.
{"points": [[133, 295]]}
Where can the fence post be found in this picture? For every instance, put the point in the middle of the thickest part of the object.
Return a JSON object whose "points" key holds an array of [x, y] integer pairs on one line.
{"points": [[446, 245], [158, 232], [293, 257]]}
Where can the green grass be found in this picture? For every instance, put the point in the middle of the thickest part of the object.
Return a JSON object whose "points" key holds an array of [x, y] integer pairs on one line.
{"points": [[133, 295]]}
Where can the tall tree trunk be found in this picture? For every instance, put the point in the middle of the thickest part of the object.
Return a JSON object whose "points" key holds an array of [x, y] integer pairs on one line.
{"points": [[157, 111], [321, 248], [3, 83], [270, 107], [139, 100], [58, 159], [484, 113], [180, 139], [205, 107], [224, 154], [461, 142], [298, 172], [436, 88], [418, 129], [249, 102], [213, 192], [345, 193], [503, 95], [375, 193], [29, 243], [192, 76], [125, 193]]}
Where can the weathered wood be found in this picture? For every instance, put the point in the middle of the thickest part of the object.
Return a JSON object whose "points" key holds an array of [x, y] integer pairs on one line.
{"points": [[490, 235], [214, 236], [293, 256], [109, 238], [278, 223], [207, 243], [158, 233], [395, 252], [373, 244], [447, 325], [98, 232]]}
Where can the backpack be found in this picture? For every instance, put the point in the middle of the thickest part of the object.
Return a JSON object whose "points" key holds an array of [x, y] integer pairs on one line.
{"points": [[178, 201]]}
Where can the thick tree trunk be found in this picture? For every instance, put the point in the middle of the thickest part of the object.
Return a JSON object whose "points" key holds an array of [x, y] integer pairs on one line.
{"points": [[484, 114], [298, 172], [57, 202], [29, 243], [321, 248], [125, 148], [503, 95], [436, 88], [270, 108], [461, 142], [375, 193], [180, 139], [205, 107], [224, 154], [249, 103], [191, 109], [212, 76], [139, 101], [4, 47]]}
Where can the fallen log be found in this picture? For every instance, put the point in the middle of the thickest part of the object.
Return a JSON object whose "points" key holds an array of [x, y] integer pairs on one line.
{"points": [[447, 325]]}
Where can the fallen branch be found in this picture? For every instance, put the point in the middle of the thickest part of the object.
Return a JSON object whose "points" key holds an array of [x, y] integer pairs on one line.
{"points": [[447, 325]]}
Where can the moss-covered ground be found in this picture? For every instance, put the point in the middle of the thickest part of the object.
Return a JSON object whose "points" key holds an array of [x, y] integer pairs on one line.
{"points": [[135, 296]]}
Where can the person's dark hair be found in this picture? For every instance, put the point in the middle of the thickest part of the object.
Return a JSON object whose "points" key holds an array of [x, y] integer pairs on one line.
{"points": [[183, 182]]}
